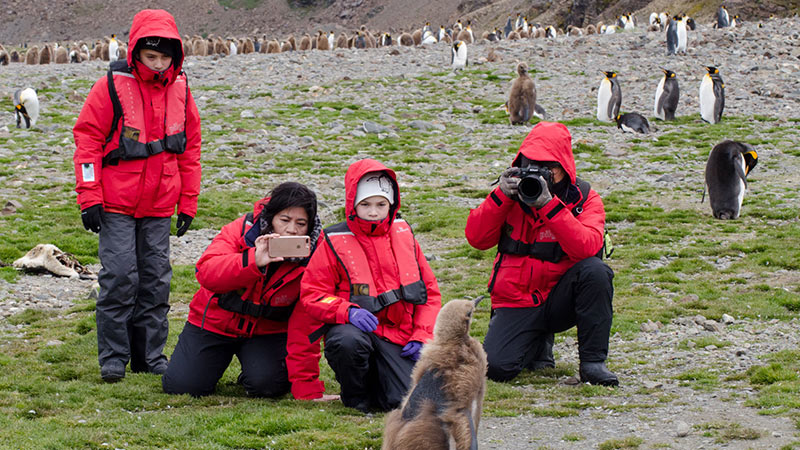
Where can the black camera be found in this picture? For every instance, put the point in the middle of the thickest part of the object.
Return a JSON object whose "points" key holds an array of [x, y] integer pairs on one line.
{"points": [[530, 186]]}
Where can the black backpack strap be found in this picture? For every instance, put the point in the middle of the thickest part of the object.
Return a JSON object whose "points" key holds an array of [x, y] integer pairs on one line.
{"points": [[248, 218], [112, 158], [584, 187]]}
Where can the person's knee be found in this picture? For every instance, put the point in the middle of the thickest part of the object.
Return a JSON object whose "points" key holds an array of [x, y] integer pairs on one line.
{"points": [[265, 386], [500, 369], [172, 384], [346, 339], [593, 270]]}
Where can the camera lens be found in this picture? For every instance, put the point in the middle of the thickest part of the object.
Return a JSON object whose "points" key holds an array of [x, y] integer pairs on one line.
{"points": [[529, 188]]}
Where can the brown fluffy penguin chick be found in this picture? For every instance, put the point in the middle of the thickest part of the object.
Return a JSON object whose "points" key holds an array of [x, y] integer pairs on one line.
{"points": [[443, 407], [32, 56], [46, 55], [322, 42], [406, 40], [494, 56], [305, 43], [522, 100], [417, 36], [341, 41], [274, 47], [62, 56]]}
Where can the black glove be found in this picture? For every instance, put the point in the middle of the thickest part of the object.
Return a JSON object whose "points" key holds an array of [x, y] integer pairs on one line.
{"points": [[509, 182], [184, 220], [93, 217]]}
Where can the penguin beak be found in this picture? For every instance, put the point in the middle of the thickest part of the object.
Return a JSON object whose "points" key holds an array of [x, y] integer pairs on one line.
{"points": [[477, 301]]}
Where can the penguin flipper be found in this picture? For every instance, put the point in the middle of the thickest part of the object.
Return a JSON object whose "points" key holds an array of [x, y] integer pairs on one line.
{"points": [[719, 100], [703, 198], [740, 169]]}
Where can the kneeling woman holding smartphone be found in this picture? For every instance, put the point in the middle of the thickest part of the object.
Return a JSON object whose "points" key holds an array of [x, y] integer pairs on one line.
{"points": [[250, 281]]}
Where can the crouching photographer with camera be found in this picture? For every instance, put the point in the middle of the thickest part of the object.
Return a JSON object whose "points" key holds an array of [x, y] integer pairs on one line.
{"points": [[547, 277]]}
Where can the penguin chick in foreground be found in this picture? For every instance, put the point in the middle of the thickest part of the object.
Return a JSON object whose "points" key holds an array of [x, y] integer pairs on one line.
{"points": [[26, 106], [458, 56], [727, 168], [633, 122], [522, 100], [443, 407]]}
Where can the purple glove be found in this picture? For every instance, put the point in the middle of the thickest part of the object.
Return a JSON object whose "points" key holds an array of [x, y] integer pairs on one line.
{"points": [[411, 350], [362, 319]]}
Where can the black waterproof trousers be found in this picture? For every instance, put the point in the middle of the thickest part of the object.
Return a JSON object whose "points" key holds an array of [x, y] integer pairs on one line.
{"points": [[521, 338], [134, 291], [370, 370], [201, 358]]}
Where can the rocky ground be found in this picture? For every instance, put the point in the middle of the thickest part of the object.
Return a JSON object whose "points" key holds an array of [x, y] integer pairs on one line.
{"points": [[761, 68]]}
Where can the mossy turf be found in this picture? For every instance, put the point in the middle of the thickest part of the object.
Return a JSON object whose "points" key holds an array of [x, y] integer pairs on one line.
{"points": [[666, 247]]}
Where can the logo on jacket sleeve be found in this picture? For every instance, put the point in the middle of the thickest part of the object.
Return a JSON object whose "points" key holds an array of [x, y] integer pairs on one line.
{"points": [[546, 235]]}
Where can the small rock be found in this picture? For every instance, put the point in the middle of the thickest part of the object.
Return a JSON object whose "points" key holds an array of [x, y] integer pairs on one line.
{"points": [[572, 381], [346, 111], [727, 320], [426, 126], [649, 326], [689, 298], [374, 128], [651, 384], [713, 326], [215, 127], [740, 352], [247, 114], [666, 178], [54, 343], [682, 429]]}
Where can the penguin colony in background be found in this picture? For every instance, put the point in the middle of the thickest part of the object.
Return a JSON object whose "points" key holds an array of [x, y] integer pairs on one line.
{"points": [[442, 409], [727, 168]]}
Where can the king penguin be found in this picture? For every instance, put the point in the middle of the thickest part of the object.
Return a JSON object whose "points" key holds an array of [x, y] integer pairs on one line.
{"points": [[723, 19], [632, 123], [609, 98], [712, 96], [442, 409], [727, 168], [113, 48], [522, 100], [458, 56], [683, 36], [26, 106], [667, 95]]}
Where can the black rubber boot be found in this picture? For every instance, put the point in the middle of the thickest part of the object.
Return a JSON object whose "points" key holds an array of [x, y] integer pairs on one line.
{"points": [[597, 373], [112, 371]]}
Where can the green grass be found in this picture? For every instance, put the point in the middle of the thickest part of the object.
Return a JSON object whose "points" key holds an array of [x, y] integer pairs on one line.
{"points": [[668, 248]]}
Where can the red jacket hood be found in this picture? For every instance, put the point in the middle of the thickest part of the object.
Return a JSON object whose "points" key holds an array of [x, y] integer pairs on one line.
{"points": [[155, 22], [550, 141], [354, 173]]}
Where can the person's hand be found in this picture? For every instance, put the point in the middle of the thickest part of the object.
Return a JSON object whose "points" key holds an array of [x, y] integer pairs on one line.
{"points": [[544, 197], [184, 220], [509, 182], [411, 350], [326, 398], [362, 319], [262, 250], [93, 217]]}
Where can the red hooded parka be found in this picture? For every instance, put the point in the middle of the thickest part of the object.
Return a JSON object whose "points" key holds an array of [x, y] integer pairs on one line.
{"points": [[143, 187], [229, 266], [324, 294], [524, 281]]}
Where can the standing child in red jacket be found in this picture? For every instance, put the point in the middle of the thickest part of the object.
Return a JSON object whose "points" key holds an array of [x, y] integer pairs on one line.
{"points": [[547, 276], [137, 156], [370, 290]]}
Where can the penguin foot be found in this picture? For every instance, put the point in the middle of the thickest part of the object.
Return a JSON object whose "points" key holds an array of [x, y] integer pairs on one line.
{"points": [[597, 373]]}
